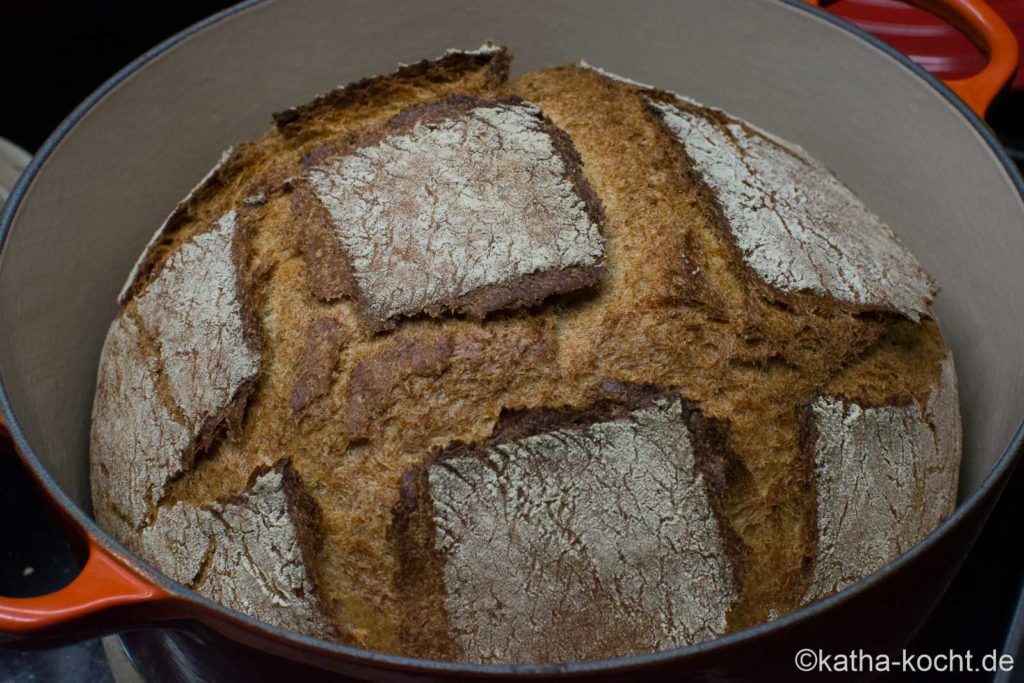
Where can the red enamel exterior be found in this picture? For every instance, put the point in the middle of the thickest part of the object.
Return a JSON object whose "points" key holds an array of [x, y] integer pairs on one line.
{"points": [[927, 39]]}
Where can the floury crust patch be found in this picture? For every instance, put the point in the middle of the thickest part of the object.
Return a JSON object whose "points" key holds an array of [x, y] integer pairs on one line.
{"points": [[886, 477], [605, 524], [152, 412], [797, 226], [251, 550], [467, 205]]}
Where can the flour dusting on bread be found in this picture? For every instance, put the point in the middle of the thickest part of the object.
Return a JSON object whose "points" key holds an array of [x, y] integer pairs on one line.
{"points": [[197, 297], [176, 363], [797, 226], [454, 205], [597, 522], [886, 477], [161, 232], [137, 442], [250, 552]]}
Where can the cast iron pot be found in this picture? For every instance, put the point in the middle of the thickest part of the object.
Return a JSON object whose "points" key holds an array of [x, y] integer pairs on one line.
{"points": [[75, 223]]}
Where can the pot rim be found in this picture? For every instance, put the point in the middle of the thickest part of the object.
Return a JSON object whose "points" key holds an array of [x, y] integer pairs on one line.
{"points": [[370, 658]]}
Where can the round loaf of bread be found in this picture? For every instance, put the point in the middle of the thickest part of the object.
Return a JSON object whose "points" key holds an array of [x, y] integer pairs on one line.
{"points": [[549, 369]]}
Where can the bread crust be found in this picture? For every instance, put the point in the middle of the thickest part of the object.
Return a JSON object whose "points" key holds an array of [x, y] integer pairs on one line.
{"points": [[160, 397], [137, 443], [490, 61], [796, 226], [185, 354], [251, 342]]}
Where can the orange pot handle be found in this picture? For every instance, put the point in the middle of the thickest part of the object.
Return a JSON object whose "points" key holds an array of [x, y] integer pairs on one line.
{"points": [[96, 601], [89, 603], [987, 30]]}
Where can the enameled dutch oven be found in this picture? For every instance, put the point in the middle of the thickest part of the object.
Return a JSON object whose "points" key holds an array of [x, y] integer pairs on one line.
{"points": [[913, 149]]}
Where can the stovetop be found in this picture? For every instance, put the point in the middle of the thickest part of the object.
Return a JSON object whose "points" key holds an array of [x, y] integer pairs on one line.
{"points": [[982, 611]]}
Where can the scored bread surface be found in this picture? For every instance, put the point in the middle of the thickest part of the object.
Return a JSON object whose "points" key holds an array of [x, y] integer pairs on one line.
{"points": [[476, 178], [252, 552], [549, 369], [797, 226]]}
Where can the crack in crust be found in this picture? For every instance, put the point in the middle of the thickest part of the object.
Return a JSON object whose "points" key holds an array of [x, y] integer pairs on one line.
{"points": [[197, 297], [466, 205], [251, 552], [795, 224], [164, 347], [886, 477], [596, 522], [136, 440], [160, 396]]}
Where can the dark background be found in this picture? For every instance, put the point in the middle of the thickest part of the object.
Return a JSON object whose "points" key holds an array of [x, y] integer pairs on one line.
{"points": [[55, 53]]}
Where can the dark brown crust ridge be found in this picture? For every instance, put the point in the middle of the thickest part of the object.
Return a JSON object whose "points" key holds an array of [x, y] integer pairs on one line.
{"points": [[330, 277], [451, 67], [307, 517], [324, 342], [331, 271], [612, 401], [420, 579], [722, 472]]}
